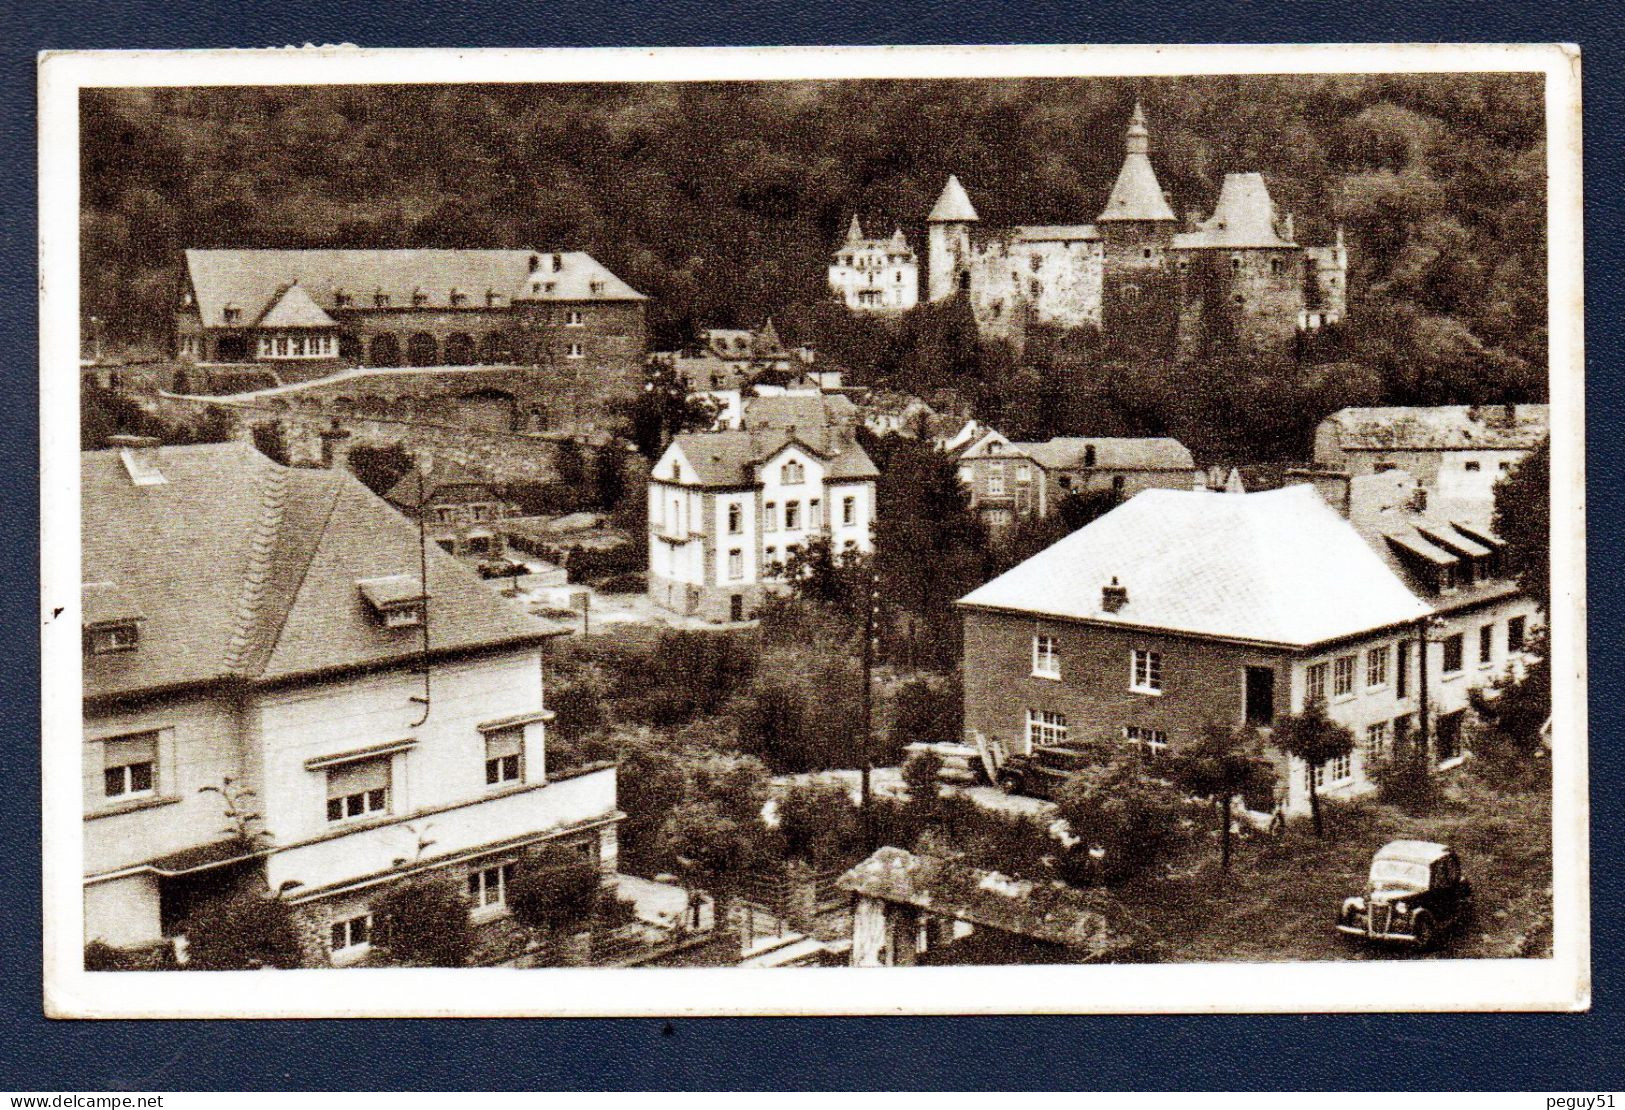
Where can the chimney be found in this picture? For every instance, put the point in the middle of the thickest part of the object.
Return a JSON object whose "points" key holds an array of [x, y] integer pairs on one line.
{"points": [[1193, 219], [1419, 499], [139, 454], [1113, 597], [1286, 228], [335, 447]]}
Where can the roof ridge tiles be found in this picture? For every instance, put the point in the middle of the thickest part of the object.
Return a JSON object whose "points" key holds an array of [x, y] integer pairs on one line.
{"points": [[261, 547]]}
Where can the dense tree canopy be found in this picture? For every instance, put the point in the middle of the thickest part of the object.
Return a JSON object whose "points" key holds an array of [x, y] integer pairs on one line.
{"points": [[722, 201]]}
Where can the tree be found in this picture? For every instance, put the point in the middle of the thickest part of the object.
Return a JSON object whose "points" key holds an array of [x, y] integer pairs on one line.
{"points": [[554, 889], [241, 930], [423, 922], [268, 437], [817, 822], [927, 712], [1315, 738], [666, 409], [1224, 763], [1523, 519], [1512, 713], [713, 849], [819, 574], [379, 468], [1124, 822], [922, 774]]}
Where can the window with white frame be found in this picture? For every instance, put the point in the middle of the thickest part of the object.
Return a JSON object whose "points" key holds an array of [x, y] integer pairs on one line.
{"points": [[1151, 741], [792, 516], [359, 789], [1145, 672], [576, 351], [504, 756], [1343, 676], [1486, 645], [792, 473], [1376, 740], [815, 513], [995, 479], [1376, 667], [488, 886], [130, 766], [1315, 682], [736, 518], [1024, 474], [1338, 769], [1045, 727], [572, 319], [770, 517], [352, 932], [736, 563], [1046, 660], [849, 510]]}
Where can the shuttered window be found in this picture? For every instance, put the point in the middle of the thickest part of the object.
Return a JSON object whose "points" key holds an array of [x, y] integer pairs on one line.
{"points": [[130, 765], [504, 756], [358, 789]]}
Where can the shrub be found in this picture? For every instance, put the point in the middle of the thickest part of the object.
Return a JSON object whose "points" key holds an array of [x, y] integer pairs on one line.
{"points": [[922, 773], [926, 712], [268, 437], [1125, 823], [241, 931], [819, 824], [554, 889], [632, 582], [379, 468], [423, 922], [101, 956], [594, 564], [1404, 781]]}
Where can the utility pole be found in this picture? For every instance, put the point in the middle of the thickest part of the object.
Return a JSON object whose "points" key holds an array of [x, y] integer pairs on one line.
{"points": [[871, 606]]}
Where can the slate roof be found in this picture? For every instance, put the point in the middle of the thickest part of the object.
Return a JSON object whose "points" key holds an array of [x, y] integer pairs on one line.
{"points": [[1278, 567], [730, 459], [1243, 217], [1051, 911], [1067, 453], [1441, 428], [1056, 233], [442, 473], [252, 280], [295, 309], [822, 421], [1135, 194], [245, 569], [954, 205]]}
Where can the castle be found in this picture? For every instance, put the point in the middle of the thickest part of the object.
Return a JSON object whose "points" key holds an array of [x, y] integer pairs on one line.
{"points": [[1238, 280], [875, 275]]}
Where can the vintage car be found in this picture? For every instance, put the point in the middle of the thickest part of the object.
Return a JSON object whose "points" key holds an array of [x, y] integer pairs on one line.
{"points": [[1415, 894]]}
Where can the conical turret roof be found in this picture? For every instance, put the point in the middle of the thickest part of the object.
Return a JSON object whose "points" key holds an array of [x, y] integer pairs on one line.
{"points": [[953, 206], [767, 341], [854, 231], [1136, 194]]}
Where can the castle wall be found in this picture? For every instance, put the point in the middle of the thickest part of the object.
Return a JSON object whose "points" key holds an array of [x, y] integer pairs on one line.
{"points": [[1239, 299]]}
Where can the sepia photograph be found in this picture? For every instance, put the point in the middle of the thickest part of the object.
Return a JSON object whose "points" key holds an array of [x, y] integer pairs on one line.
{"points": [[1081, 529]]}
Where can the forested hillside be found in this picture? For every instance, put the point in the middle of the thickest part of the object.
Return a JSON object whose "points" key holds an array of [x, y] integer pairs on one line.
{"points": [[722, 202]]}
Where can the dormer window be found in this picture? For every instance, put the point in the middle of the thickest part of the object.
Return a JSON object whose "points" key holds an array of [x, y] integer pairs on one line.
{"points": [[491, 298], [595, 287], [109, 638], [380, 299], [233, 314], [419, 298], [397, 600], [111, 620], [341, 299], [458, 300]]}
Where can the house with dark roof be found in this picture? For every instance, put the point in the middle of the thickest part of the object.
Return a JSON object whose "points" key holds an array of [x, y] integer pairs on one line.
{"points": [[461, 509], [1011, 481], [306, 313], [875, 275], [731, 359], [727, 509], [1238, 280], [280, 640], [1460, 451], [1178, 608]]}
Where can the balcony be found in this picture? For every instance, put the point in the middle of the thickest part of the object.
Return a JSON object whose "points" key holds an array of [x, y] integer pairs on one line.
{"points": [[486, 822]]}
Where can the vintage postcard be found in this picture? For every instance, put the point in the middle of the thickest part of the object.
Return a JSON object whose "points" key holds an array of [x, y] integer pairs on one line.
{"points": [[813, 531]]}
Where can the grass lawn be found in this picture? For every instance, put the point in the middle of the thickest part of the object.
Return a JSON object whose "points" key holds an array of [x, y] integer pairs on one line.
{"points": [[1280, 898]]}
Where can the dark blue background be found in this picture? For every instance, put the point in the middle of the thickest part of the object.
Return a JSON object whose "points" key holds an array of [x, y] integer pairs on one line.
{"points": [[1559, 1053]]}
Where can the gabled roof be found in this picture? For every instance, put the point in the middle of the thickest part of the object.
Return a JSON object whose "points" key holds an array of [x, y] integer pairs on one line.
{"points": [[851, 465], [252, 280], [1277, 567], [442, 473], [1243, 217], [824, 421], [1442, 427], [1048, 911], [954, 205], [731, 459], [245, 569], [295, 309], [1111, 453]]}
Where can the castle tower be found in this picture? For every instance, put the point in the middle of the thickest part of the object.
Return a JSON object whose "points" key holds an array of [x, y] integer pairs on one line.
{"points": [[948, 241], [1138, 295]]}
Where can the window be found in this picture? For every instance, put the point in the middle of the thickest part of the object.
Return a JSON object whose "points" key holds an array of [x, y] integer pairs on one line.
{"points": [[1046, 662], [458, 300], [771, 556], [113, 637], [595, 287], [380, 300], [1024, 474], [1515, 634], [1486, 645], [1343, 676], [736, 518], [575, 351], [849, 510], [995, 479], [1315, 683], [1376, 740], [815, 513], [1151, 741], [419, 298], [770, 517], [352, 932], [1338, 769], [1449, 736], [1044, 727], [1258, 692], [1452, 654], [1146, 672], [736, 563], [341, 299], [358, 789], [1472, 466], [488, 886], [504, 756], [1235, 262], [233, 315], [1145, 252], [572, 319], [130, 766], [792, 515], [1277, 266], [792, 473], [1376, 667], [1503, 466]]}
